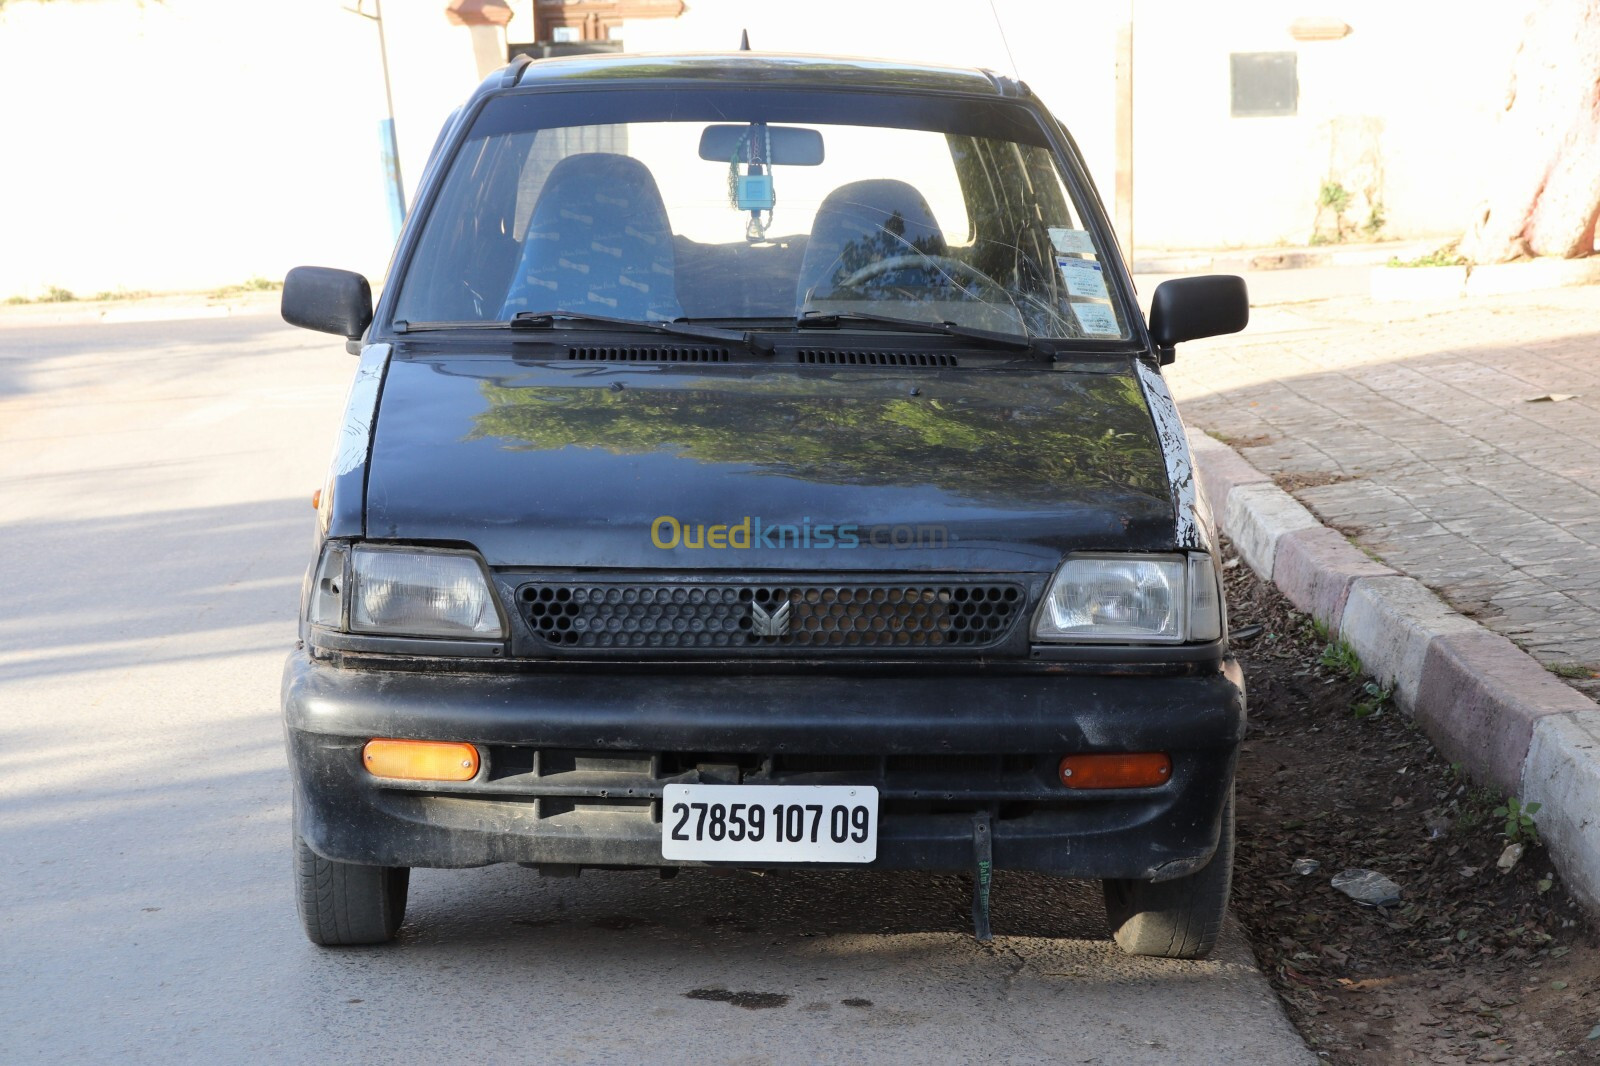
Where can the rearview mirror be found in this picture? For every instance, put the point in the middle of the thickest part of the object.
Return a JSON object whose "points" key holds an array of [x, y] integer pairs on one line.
{"points": [[792, 146], [328, 301], [1186, 309]]}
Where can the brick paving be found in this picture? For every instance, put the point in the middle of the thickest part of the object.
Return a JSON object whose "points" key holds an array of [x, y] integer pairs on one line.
{"points": [[1409, 428]]}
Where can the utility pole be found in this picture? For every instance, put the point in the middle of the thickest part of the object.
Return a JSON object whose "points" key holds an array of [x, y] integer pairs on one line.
{"points": [[1123, 192], [390, 145]]}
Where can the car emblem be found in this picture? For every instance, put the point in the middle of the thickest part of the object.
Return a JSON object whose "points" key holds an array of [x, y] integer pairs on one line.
{"points": [[764, 623]]}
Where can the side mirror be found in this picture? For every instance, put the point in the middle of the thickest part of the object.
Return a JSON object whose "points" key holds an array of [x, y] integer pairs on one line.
{"points": [[1186, 309], [328, 301]]}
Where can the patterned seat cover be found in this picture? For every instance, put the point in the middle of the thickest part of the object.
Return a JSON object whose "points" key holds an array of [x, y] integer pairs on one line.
{"points": [[598, 242], [862, 223]]}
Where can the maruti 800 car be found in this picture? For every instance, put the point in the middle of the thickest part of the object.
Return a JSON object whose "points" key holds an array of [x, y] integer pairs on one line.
{"points": [[762, 461]]}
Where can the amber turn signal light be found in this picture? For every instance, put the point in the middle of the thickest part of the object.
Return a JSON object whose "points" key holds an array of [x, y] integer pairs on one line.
{"points": [[420, 760], [316, 500], [1117, 770]]}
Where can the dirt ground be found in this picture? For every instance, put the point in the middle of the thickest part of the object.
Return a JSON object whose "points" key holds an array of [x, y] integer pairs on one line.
{"points": [[1473, 964]]}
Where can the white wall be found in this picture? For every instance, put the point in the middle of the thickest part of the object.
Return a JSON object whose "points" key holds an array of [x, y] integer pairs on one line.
{"points": [[1063, 48], [1430, 75], [190, 144]]}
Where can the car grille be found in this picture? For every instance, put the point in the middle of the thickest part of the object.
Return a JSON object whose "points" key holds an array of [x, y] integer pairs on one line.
{"points": [[630, 780], [807, 617]]}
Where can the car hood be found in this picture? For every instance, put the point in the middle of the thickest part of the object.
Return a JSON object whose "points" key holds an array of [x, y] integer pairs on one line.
{"points": [[565, 464]]}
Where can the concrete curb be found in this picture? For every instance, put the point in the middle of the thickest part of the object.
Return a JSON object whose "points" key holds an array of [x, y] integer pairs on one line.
{"points": [[1563, 774], [1493, 279], [1482, 700], [1240, 259]]}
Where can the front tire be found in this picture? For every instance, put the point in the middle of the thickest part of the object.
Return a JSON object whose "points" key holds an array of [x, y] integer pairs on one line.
{"points": [[1177, 919], [342, 903]]}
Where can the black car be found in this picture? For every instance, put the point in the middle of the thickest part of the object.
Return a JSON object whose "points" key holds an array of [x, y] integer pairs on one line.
{"points": [[761, 460]]}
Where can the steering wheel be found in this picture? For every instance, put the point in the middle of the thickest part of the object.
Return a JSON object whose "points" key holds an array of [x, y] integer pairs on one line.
{"points": [[942, 264]]}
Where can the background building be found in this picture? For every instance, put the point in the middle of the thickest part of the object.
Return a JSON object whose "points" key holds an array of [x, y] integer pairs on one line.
{"points": [[196, 143]]}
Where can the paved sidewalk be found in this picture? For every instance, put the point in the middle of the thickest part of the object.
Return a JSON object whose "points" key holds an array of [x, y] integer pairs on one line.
{"points": [[1411, 429]]}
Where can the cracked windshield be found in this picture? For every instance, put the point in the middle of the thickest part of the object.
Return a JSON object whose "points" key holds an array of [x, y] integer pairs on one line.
{"points": [[759, 222]]}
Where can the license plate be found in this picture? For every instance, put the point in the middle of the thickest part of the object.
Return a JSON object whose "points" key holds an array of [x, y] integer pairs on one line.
{"points": [[770, 823]]}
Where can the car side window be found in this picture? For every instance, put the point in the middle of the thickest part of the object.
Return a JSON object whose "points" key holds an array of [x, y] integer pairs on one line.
{"points": [[458, 271]]}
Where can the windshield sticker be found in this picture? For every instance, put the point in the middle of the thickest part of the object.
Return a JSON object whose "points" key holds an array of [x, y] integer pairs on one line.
{"points": [[1083, 278], [1097, 320], [1071, 240]]}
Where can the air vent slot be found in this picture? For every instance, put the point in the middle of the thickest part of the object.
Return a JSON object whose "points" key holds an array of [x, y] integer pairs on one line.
{"points": [[667, 353], [835, 357]]}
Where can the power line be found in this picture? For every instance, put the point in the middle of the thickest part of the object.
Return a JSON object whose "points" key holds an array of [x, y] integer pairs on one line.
{"points": [[1001, 27]]}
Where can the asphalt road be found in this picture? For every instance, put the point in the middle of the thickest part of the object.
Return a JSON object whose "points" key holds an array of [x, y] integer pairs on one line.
{"points": [[155, 520]]}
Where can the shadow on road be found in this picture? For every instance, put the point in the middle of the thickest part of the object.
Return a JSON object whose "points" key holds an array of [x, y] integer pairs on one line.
{"points": [[94, 594], [171, 351], [472, 908]]}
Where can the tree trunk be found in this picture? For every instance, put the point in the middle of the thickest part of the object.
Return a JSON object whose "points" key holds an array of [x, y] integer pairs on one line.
{"points": [[1543, 167]]}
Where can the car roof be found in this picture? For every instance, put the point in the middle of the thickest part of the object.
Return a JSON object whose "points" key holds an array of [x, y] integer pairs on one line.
{"points": [[767, 68]]}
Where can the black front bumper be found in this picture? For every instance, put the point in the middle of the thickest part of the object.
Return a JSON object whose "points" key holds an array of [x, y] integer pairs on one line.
{"points": [[574, 763]]}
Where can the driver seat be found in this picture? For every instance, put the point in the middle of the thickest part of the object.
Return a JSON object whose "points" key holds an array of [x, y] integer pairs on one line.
{"points": [[862, 223]]}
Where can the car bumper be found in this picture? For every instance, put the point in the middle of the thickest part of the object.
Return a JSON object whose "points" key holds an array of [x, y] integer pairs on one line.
{"points": [[573, 764]]}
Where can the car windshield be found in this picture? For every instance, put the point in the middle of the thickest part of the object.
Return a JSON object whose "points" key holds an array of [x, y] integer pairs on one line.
{"points": [[760, 207]]}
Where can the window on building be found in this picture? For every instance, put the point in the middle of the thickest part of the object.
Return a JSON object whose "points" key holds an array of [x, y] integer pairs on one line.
{"points": [[1264, 84]]}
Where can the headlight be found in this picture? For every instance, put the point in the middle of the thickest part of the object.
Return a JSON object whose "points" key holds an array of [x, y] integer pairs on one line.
{"points": [[407, 592], [403, 592], [1131, 599]]}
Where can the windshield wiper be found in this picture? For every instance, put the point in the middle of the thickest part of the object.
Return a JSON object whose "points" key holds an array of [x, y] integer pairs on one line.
{"points": [[988, 338], [564, 319], [539, 320]]}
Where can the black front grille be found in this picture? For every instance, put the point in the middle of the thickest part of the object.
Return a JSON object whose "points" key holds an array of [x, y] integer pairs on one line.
{"points": [[790, 616], [629, 778], [832, 357], [655, 353]]}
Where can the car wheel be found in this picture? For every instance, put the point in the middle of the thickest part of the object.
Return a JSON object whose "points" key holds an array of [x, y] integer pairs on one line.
{"points": [[1177, 919], [343, 903]]}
